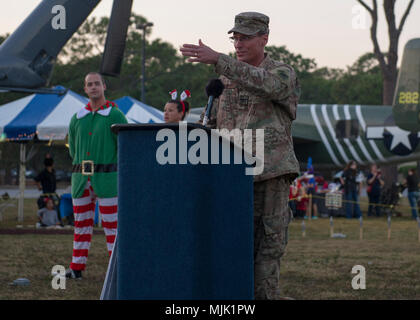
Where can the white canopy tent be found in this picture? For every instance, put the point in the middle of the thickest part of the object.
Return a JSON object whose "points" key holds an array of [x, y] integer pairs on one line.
{"points": [[47, 117]]}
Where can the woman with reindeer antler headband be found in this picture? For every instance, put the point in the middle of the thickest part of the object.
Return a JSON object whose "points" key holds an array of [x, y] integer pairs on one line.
{"points": [[176, 110]]}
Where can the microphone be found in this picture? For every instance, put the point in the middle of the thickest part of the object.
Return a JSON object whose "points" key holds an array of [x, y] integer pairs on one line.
{"points": [[214, 89]]}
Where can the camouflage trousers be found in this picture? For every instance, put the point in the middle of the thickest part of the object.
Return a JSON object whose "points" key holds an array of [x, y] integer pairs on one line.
{"points": [[271, 219]]}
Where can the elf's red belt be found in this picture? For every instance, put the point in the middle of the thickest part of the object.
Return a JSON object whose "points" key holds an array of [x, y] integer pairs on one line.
{"points": [[88, 168]]}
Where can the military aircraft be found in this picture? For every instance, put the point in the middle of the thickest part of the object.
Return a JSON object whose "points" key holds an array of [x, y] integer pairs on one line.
{"points": [[334, 134], [27, 56], [330, 134]]}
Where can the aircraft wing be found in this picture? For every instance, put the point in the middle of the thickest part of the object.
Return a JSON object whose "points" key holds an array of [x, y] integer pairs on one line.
{"points": [[304, 133]]}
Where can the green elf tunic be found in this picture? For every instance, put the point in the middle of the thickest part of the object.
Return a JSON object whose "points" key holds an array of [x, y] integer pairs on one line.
{"points": [[91, 138]]}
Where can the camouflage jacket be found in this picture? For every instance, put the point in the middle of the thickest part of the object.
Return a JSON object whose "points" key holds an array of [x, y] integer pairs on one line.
{"points": [[263, 97]]}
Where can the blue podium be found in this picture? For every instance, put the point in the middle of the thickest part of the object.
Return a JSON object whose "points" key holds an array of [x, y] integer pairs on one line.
{"points": [[185, 229]]}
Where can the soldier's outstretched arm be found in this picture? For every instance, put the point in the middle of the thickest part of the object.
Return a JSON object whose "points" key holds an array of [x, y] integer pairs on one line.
{"points": [[276, 85]]}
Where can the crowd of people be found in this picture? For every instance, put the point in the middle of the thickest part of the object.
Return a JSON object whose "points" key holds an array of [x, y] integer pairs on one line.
{"points": [[307, 193], [303, 195]]}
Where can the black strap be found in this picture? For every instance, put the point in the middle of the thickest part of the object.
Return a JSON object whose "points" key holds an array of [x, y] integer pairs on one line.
{"points": [[112, 167]]}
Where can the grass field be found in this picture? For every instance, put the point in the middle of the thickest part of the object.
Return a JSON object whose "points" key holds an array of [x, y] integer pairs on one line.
{"points": [[32, 256], [313, 267], [319, 267]]}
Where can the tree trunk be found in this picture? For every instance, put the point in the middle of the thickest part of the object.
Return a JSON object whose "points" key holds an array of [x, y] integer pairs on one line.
{"points": [[388, 91], [389, 174], [388, 61]]}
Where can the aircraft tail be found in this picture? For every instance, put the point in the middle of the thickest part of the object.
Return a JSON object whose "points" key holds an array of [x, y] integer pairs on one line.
{"points": [[28, 55], [406, 107]]}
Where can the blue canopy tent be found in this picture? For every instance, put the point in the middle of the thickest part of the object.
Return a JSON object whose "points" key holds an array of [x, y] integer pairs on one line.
{"points": [[47, 117], [44, 115], [138, 112]]}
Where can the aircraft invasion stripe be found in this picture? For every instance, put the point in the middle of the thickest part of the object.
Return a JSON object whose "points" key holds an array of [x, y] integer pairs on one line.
{"points": [[371, 142], [359, 140], [347, 141], [330, 137], [323, 137], [364, 144], [337, 118], [332, 133]]}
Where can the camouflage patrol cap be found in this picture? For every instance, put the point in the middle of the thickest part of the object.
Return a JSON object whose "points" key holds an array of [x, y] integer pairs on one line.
{"points": [[250, 23]]}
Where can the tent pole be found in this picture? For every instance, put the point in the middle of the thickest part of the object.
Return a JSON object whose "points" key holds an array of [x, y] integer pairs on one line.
{"points": [[22, 180]]}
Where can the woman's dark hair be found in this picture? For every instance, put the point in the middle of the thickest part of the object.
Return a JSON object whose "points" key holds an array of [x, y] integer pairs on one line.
{"points": [[349, 164], [181, 106]]}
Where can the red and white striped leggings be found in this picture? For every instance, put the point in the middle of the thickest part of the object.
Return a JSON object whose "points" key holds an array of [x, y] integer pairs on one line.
{"points": [[84, 213]]}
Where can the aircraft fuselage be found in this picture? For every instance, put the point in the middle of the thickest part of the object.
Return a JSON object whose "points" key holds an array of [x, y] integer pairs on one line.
{"points": [[332, 135]]}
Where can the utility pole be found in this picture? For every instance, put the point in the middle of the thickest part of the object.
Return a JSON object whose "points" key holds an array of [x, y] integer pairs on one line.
{"points": [[143, 27]]}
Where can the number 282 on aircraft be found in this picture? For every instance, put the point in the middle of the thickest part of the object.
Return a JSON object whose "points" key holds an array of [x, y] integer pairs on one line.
{"points": [[408, 97]]}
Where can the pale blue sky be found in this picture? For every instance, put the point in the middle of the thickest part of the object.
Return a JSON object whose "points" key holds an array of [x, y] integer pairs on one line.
{"points": [[321, 29]]}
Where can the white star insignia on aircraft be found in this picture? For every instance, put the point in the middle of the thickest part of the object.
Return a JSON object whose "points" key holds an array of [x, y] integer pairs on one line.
{"points": [[399, 136]]}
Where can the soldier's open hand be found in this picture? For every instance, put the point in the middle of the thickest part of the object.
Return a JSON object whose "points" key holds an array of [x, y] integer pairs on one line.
{"points": [[200, 53]]}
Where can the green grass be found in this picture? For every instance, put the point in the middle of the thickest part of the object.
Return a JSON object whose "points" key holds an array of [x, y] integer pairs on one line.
{"points": [[319, 267], [33, 256], [10, 213], [313, 267]]}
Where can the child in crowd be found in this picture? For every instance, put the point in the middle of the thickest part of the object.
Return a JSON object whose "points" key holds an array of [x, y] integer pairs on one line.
{"points": [[293, 193], [302, 203], [48, 215]]}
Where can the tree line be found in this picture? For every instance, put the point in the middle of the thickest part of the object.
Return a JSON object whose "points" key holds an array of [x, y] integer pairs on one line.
{"points": [[166, 69]]}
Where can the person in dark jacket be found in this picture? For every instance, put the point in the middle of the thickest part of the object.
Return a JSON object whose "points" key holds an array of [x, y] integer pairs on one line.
{"points": [[46, 180], [47, 183], [374, 186], [351, 190], [412, 183]]}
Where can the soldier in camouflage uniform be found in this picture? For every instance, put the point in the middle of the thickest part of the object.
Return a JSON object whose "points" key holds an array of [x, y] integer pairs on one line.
{"points": [[260, 93]]}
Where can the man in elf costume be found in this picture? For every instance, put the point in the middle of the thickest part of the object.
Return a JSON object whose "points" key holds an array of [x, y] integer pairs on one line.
{"points": [[93, 148]]}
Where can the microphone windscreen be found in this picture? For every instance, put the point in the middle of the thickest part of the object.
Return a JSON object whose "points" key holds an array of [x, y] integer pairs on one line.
{"points": [[214, 88]]}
